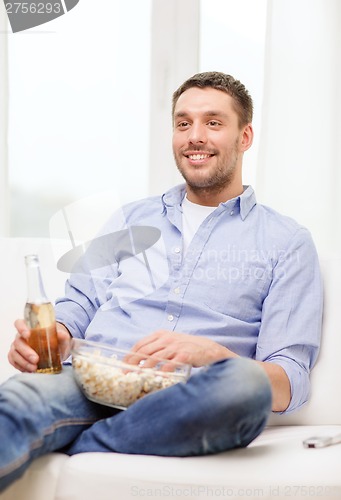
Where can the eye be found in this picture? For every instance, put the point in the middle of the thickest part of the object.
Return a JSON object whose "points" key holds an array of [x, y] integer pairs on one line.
{"points": [[213, 123], [183, 124]]}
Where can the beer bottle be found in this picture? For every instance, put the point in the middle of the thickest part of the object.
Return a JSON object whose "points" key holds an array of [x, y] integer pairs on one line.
{"points": [[40, 319]]}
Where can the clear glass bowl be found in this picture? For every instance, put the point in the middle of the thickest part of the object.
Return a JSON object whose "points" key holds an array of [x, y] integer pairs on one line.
{"points": [[106, 377]]}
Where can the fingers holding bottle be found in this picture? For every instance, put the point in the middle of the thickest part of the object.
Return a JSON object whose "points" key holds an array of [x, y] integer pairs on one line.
{"points": [[21, 355]]}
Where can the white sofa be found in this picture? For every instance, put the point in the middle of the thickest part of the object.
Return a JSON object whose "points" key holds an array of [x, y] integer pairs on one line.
{"points": [[275, 465]]}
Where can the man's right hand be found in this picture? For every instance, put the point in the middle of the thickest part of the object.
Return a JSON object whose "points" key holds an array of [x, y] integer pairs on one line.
{"points": [[23, 357]]}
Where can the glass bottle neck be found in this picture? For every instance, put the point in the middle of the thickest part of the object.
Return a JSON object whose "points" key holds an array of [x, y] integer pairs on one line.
{"points": [[35, 288]]}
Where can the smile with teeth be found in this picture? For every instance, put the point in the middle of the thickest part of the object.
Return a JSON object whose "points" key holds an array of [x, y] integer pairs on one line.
{"points": [[199, 156]]}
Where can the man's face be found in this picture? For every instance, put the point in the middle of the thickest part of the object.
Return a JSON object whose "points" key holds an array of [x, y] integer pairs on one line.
{"points": [[207, 139]]}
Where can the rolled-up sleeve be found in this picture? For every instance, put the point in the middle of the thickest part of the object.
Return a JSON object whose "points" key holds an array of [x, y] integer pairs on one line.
{"points": [[292, 315]]}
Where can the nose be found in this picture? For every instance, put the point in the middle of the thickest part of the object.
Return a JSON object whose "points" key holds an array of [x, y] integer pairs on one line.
{"points": [[197, 134]]}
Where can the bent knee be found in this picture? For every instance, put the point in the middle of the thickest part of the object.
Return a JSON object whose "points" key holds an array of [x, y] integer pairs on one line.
{"points": [[243, 380]]}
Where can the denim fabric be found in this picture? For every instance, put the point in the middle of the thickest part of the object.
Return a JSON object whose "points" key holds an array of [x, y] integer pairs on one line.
{"points": [[221, 407], [40, 413]]}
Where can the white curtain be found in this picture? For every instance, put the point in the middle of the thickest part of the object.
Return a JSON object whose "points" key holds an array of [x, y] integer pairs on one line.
{"points": [[299, 167]]}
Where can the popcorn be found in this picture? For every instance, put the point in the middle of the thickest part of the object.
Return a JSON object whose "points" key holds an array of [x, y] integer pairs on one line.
{"points": [[114, 383]]}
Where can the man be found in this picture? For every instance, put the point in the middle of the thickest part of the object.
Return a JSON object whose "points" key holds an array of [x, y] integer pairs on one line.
{"points": [[237, 295]]}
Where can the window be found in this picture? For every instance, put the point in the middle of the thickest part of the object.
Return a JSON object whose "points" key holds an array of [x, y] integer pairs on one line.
{"points": [[81, 117], [78, 110]]}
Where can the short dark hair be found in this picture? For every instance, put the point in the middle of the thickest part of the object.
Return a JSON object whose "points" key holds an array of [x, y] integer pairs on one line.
{"points": [[221, 81]]}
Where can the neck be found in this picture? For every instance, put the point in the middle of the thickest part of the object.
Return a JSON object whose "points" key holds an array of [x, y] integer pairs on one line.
{"points": [[211, 197]]}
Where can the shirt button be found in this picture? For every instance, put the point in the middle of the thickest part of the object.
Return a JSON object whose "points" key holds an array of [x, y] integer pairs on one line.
{"points": [[177, 249], [177, 290], [232, 212], [170, 317]]}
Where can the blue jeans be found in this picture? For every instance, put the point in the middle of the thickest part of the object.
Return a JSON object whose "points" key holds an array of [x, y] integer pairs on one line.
{"points": [[221, 407]]}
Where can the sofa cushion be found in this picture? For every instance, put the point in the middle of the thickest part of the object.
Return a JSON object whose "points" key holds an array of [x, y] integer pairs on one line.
{"points": [[39, 481], [275, 465]]}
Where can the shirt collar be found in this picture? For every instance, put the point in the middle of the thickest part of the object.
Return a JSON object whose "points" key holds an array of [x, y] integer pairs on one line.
{"points": [[243, 203], [174, 196]]}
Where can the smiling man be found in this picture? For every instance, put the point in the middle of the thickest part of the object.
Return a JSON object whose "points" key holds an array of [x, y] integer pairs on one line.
{"points": [[241, 302], [209, 141]]}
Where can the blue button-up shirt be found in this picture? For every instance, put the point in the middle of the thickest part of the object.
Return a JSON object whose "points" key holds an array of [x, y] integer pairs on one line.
{"points": [[250, 280]]}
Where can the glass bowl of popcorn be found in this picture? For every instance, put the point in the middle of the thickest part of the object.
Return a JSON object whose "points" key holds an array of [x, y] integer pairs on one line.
{"points": [[116, 377]]}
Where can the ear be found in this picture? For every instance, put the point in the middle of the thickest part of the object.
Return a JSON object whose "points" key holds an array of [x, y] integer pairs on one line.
{"points": [[246, 137]]}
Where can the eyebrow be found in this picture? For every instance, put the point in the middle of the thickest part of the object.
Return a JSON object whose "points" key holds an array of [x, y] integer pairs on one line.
{"points": [[182, 114]]}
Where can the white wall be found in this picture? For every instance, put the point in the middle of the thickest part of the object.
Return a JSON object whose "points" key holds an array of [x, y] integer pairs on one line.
{"points": [[300, 152]]}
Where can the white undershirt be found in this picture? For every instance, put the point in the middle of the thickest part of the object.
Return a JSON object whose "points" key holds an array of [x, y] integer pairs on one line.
{"points": [[192, 217]]}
